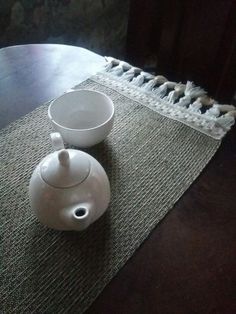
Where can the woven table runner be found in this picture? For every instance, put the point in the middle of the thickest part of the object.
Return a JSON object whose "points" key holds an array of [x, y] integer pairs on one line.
{"points": [[150, 159]]}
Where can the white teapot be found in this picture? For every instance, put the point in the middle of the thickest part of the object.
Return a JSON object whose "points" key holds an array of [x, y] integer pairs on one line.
{"points": [[69, 189]]}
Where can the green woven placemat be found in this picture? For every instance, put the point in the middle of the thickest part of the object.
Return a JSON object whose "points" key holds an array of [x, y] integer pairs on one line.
{"points": [[150, 161]]}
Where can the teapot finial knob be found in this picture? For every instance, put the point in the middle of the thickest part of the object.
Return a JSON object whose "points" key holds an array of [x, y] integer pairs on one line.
{"points": [[64, 157]]}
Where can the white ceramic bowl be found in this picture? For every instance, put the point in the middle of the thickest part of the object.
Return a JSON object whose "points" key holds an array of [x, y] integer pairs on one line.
{"points": [[83, 117]]}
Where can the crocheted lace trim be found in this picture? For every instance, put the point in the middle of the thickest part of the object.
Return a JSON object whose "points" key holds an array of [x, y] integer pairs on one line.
{"points": [[185, 103]]}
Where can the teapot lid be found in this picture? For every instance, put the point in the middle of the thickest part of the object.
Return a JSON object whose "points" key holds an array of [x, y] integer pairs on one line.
{"points": [[65, 168]]}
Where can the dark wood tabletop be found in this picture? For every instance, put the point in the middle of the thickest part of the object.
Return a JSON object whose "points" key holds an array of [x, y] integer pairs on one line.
{"points": [[188, 263]]}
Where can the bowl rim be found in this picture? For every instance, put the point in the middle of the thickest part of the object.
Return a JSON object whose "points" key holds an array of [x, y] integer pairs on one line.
{"points": [[78, 129]]}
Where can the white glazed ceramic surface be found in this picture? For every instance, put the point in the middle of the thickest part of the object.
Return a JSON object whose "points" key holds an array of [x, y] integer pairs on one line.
{"points": [[83, 117], [69, 205]]}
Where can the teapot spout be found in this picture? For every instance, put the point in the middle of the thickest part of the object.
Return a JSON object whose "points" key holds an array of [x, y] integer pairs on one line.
{"points": [[81, 217], [77, 217]]}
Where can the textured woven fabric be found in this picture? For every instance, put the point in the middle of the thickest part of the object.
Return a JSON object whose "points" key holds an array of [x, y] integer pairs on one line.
{"points": [[150, 161]]}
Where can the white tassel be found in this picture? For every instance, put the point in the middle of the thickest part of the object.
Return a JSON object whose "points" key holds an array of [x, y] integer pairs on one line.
{"points": [[226, 108], [174, 95], [117, 70], [160, 79], [108, 66], [112, 60], [226, 121], [231, 113], [184, 101], [162, 90], [128, 75], [148, 76], [138, 81], [216, 109], [191, 91], [126, 66], [157, 80], [116, 67], [149, 85], [171, 97], [196, 106], [213, 111], [137, 70], [207, 101]]}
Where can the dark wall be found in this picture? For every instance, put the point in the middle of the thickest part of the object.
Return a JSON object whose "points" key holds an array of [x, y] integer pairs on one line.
{"points": [[99, 25], [187, 40]]}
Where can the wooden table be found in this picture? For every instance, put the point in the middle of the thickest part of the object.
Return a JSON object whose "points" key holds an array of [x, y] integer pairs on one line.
{"points": [[188, 264]]}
